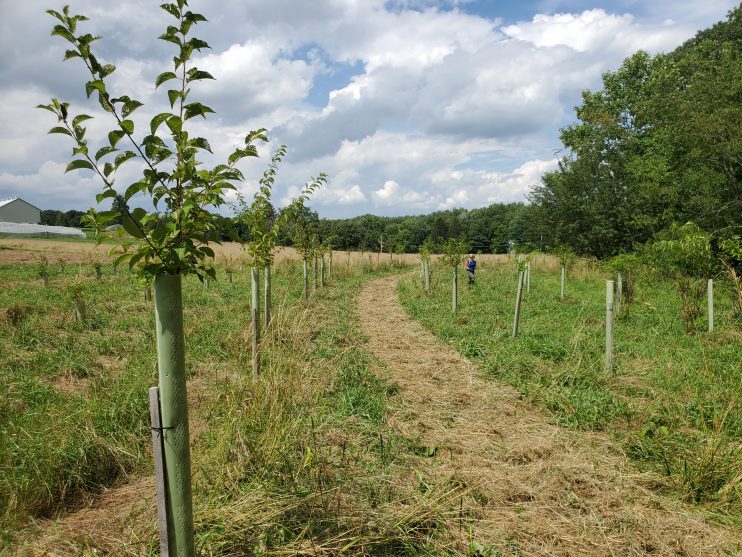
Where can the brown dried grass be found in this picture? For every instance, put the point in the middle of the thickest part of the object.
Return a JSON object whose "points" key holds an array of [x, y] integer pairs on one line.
{"points": [[546, 490]]}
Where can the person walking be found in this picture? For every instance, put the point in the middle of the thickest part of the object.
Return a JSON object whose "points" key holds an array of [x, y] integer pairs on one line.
{"points": [[471, 265]]}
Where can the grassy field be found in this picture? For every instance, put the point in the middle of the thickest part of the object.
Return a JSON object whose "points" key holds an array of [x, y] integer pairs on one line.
{"points": [[303, 458], [673, 400]]}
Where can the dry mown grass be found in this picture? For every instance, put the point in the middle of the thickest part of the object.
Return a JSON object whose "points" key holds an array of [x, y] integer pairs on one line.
{"points": [[533, 488]]}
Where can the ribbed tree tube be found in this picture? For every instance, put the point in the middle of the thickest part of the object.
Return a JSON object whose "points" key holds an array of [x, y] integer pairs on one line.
{"points": [[174, 403]]}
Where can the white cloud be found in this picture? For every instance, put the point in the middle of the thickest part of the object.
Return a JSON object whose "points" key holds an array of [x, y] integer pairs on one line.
{"points": [[408, 105], [596, 30]]}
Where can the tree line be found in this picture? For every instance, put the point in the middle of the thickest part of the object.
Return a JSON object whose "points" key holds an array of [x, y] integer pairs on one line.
{"points": [[659, 145]]}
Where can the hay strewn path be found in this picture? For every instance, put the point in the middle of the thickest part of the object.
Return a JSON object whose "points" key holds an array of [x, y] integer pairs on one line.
{"points": [[535, 489]]}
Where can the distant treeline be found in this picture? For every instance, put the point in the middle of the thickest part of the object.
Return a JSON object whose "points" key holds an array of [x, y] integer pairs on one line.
{"points": [[50, 217]]}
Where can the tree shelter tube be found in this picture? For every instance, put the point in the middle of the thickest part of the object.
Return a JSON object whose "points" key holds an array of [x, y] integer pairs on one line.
{"points": [[174, 404]]}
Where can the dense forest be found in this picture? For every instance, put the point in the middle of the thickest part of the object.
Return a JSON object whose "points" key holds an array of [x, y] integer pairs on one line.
{"points": [[659, 145]]}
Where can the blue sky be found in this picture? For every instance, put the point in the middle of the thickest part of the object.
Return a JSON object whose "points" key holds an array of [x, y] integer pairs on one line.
{"points": [[409, 106]]}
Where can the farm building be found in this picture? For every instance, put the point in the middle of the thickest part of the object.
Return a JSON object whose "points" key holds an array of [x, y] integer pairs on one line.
{"points": [[14, 209]]}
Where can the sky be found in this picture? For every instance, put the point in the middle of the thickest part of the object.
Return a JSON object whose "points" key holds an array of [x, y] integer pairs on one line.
{"points": [[409, 106]]}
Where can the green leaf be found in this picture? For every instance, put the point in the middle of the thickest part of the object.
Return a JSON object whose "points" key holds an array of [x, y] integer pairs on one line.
{"points": [[131, 228], [197, 44], [193, 17], [123, 157], [80, 118], [172, 9], [121, 258], [94, 85], [103, 151], [158, 120], [81, 150], [106, 70], [163, 77], [194, 74], [260, 134], [79, 163], [138, 214], [71, 54], [114, 136], [62, 31], [174, 124], [127, 126], [130, 107], [133, 261], [169, 37], [60, 129], [108, 168], [56, 14], [105, 195], [196, 109], [134, 189], [173, 95], [201, 143]]}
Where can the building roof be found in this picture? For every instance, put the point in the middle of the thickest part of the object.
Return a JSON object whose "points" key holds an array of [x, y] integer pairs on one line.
{"points": [[9, 200]]}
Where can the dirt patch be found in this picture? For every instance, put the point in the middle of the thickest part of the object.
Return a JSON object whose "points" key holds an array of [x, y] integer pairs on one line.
{"points": [[535, 489]]}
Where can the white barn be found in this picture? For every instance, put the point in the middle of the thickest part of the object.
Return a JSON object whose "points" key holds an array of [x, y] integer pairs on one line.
{"points": [[14, 209]]}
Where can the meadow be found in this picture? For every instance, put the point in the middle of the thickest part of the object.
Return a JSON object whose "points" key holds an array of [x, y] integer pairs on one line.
{"points": [[672, 400], [304, 457], [309, 458]]}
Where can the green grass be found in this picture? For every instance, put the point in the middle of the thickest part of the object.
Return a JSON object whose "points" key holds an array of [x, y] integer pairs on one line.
{"points": [[673, 399], [303, 457]]}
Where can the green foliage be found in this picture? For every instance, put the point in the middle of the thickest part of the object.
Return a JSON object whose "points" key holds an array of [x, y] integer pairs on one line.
{"points": [[657, 145], [566, 256], [630, 266], [681, 251], [43, 267], [426, 249], [172, 240], [305, 228], [453, 252], [260, 217], [683, 254]]}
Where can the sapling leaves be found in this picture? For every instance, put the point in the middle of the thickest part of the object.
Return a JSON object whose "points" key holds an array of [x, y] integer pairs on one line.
{"points": [[172, 238], [163, 77], [78, 164]]}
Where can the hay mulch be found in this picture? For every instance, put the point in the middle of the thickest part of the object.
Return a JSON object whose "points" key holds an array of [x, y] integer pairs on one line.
{"points": [[532, 488]]}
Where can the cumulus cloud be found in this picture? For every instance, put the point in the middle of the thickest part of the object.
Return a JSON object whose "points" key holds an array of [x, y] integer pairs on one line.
{"points": [[408, 105]]}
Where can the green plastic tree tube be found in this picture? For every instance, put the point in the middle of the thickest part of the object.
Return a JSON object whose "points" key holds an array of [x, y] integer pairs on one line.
{"points": [[255, 319], [174, 403], [267, 295]]}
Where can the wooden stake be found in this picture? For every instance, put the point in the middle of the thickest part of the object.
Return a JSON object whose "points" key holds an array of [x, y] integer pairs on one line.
{"points": [[157, 453]]}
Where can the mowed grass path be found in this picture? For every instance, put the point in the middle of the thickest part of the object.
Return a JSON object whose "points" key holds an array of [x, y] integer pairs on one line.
{"points": [[673, 400]]}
